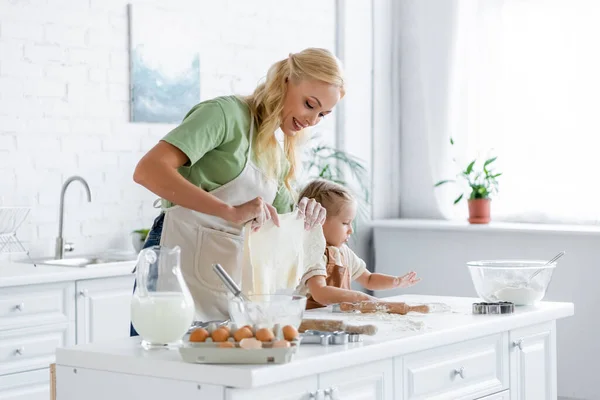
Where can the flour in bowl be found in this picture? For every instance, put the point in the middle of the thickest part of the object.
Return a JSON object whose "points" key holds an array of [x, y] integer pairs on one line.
{"points": [[519, 296]]}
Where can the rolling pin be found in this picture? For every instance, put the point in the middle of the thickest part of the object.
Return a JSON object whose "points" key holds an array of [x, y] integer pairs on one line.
{"points": [[383, 306], [333, 325]]}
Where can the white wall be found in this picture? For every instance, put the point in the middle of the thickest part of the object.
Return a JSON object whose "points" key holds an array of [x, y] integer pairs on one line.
{"points": [[439, 250], [64, 101]]}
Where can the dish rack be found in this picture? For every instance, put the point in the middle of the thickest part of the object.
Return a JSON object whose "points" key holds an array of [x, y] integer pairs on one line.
{"points": [[11, 218]]}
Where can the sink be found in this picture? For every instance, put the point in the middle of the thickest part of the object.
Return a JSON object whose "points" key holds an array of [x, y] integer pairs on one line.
{"points": [[86, 261]]}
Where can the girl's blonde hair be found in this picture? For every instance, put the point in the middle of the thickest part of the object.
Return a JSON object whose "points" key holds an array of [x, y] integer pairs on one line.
{"points": [[266, 104], [332, 196]]}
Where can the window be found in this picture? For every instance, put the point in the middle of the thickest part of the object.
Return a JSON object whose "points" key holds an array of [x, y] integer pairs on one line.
{"points": [[534, 97]]}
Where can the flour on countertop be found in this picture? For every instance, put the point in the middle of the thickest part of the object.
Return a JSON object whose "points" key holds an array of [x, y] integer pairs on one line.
{"points": [[391, 322]]}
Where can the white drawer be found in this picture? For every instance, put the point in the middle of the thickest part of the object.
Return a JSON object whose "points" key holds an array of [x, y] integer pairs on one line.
{"points": [[32, 385], [465, 370], [33, 305], [33, 348], [504, 395]]}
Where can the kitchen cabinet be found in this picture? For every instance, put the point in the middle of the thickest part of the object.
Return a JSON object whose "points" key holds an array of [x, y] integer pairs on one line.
{"points": [[297, 389], [467, 370], [103, 308], [37, 316], [460, 357], [371, 381], [32, 385], [533, 362], [504, 395]]}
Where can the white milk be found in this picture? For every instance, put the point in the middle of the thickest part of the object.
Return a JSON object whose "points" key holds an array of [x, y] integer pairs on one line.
{"points": [[161, 318]]}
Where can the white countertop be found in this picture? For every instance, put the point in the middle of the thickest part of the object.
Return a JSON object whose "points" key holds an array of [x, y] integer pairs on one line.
{"points": [[397, 335], [17, 274]]}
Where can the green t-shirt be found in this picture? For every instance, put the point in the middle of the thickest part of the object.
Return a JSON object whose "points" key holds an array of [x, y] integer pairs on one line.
{"points": [[214, 135]]}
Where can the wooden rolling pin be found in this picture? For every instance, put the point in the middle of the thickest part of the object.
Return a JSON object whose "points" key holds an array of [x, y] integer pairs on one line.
{"points": [[383, 306], [333, 325]]}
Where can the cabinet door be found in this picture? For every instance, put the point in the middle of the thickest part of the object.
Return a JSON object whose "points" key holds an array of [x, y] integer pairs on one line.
{"points": [[33, 385], [533, 362], [372, 381], [296, 389], [103, 308], [505, 395]]}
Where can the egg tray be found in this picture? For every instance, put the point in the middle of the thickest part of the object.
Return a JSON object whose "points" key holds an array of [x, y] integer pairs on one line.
{"points": [[209, 352]]}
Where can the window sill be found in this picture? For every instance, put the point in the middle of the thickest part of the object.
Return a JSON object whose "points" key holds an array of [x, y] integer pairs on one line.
{"points": [[493, 227]]}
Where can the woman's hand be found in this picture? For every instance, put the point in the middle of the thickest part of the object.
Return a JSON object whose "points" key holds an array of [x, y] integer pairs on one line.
{"points": [[257, 211], [312, 212]]}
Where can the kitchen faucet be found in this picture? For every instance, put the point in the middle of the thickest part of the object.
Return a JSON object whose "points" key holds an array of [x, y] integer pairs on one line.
{"points": [[61, 246]]}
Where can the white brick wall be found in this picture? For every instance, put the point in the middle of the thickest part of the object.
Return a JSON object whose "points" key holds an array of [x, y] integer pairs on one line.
{"points": [[64, 103]]}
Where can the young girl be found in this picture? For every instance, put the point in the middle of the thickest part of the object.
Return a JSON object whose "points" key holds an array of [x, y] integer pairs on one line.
{"points": [[328, 282]]}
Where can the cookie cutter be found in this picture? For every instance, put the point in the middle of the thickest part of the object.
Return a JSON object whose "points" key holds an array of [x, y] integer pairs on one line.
{"points": [[502, 307], [329, 338]]}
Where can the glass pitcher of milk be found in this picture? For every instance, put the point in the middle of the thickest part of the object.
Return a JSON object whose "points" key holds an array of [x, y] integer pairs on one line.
{"points": [[162, 308]]}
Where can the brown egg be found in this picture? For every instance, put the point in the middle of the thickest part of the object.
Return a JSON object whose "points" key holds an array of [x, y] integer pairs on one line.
{"points": [[289, 332], [242, 333], [220, 335], [250, 343], [281, 343], [226, 345], [199, 335], [226, 328], [264, 335]]}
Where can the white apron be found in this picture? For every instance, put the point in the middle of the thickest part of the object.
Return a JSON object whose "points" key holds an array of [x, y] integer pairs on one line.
{"points": [[205, 239]]}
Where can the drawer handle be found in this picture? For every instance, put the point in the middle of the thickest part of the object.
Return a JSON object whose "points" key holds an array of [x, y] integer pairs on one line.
{"points": [[20, 351], [20, 307], [83, 292], [519, 344], [460, 372]]}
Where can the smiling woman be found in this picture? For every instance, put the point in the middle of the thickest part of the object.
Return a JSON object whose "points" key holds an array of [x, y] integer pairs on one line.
{"points": [[223, 167]]}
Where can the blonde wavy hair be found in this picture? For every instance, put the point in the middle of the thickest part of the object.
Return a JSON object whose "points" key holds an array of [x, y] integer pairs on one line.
{"points": [[266, 105]]}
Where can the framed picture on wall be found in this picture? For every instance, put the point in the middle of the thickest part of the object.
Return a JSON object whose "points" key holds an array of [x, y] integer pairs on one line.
{"points": [[164, 64]]}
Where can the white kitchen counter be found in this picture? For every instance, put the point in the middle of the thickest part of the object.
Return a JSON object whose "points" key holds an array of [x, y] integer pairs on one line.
{"points": [[393, 339], [17, 274]]}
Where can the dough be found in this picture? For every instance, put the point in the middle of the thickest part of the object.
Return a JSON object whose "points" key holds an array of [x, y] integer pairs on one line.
{"points": [[275, 258]]}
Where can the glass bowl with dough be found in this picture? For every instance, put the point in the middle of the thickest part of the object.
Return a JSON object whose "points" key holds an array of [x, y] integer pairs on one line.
{"points": [[267, 310], [511, 280]]}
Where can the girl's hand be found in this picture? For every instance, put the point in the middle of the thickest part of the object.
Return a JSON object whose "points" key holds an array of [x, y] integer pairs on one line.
{"points": [[407, 280], [312, 212]]}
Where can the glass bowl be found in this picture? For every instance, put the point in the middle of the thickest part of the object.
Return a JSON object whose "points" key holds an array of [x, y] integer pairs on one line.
{"points": [[511, 280], [267, 310]]}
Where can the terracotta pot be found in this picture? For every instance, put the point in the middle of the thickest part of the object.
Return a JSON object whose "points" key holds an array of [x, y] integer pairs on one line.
{"points": [[479, 211]]}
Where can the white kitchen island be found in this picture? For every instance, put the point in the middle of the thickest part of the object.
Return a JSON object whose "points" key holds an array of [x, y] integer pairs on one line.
{"points": [[449, 355]]}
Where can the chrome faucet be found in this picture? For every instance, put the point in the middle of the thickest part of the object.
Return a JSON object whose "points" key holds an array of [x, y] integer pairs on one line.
{"points": [[61, 246]]}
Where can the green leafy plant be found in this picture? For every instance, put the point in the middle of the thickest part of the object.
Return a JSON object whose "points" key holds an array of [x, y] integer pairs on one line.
{"points": [[143, 233], [482, 181], [326, 162]]}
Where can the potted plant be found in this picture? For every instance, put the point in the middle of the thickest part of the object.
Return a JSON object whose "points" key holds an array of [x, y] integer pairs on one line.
{"points": [[482, 185], [326, 162], [138, 238]]}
